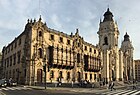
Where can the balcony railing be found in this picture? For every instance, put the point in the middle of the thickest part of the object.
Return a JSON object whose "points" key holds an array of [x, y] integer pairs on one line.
{"points": [[92, 68], [64, 65]]}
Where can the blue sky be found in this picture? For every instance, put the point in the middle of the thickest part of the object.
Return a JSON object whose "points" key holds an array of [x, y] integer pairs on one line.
{"points": [[67, 15]]}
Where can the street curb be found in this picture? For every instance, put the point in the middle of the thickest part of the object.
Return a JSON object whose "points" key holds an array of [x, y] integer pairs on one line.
{"points": [[69, 89], [37, 88], [41, 88]]}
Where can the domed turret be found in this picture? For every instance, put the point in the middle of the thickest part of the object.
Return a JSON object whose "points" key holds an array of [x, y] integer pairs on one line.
{"points": [[108, 16], [126, 37]]}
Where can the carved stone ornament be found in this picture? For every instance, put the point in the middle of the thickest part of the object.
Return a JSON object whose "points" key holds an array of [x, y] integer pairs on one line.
{"points": [[39, 64]]}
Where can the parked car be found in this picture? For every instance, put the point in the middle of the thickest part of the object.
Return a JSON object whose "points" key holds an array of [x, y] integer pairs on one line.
{"points": [[86, 84], [11, 83], [3, 83]]}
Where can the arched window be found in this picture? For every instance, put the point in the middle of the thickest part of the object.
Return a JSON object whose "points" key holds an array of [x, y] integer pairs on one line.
{"points": [[40, 37], [105, 41], [68, 75], [40, 33], [40, 53]]}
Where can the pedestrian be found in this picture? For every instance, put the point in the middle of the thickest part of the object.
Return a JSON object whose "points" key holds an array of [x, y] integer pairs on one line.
{"points": [[134, 85], [112, 86], [109, 87], [72, 83], [93, 85]]}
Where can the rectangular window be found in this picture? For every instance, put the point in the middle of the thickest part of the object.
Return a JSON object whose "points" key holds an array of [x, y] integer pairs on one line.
{"points": [[15, 44], [19, 55], [94, 51], [68, 75], [90, 76], [51, 37], [86, 62], [51, 53], [85, 47], [68, 42], [85, 76], [61, 39], [90, 49], [10, 60], [11, 47], [94, 76], [19, 43], [7, 62], [14, 59]]}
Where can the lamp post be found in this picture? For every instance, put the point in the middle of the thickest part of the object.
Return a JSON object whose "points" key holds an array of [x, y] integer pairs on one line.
{"points": [[44, 69]]}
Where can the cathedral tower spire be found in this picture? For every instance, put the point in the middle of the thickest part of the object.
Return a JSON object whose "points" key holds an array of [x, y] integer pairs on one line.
{"points": [[126, 37], [108, 16], [108, 32]]}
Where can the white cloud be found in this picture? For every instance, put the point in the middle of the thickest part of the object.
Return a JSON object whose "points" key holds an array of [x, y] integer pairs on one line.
{"points": [[56, 22]]}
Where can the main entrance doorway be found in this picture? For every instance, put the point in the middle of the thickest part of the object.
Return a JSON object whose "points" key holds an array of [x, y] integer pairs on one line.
{"points": [[39, 75]]}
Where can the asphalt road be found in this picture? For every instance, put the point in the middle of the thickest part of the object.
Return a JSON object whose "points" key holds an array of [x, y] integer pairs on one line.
{"points": [[41, 92], [29, 91]]}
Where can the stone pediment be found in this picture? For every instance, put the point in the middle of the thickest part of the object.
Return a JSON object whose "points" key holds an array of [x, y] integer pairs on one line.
{"points": [[39, 64]]}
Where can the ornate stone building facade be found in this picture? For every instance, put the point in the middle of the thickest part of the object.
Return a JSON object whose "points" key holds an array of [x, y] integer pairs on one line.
{"points": [[67, 57], [117, 62]]}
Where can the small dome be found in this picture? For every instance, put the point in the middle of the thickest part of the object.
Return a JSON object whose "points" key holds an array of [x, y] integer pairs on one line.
{"points": [[126, 37], [108, 12], [108, 16]]}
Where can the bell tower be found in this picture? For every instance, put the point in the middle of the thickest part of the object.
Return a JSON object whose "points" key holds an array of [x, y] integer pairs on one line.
{"points": [[108, 32], [108, 43], [128, 64]]}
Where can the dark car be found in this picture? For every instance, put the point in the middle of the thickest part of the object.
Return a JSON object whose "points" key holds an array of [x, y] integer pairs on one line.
{"points": [[3, 83], [11, 83], [85, 83]]}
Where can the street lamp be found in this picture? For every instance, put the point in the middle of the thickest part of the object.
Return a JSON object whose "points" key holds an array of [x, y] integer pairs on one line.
{"points": [[44, 69]]}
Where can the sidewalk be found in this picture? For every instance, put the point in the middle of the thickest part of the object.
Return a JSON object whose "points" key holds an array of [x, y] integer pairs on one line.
{"points": [[100, 89], [82, 90]]}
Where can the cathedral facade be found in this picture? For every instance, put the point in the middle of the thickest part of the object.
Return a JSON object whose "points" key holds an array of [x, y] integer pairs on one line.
{"points": [[66, 57], [118, 63]]}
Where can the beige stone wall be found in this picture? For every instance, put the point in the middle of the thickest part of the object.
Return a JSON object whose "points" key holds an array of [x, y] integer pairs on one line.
{"points": [[35, 43], [11, 68], [137, 70]]}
